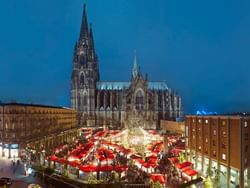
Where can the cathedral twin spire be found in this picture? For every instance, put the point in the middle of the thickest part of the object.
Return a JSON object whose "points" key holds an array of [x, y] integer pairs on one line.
{"points": [[84, 34], [86, 39]]}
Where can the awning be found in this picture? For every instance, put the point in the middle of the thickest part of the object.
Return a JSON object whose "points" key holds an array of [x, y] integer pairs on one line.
{"points": [[73, 163], [62, 161], [53, 158], [183, 165], [157, 177], [88, 168], [174, 160], [189, 171], [118, 168], [105, 168]]}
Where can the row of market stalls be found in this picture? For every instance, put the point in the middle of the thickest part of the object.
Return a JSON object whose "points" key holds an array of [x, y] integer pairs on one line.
{"points": [[99, 155], [184, 168]]}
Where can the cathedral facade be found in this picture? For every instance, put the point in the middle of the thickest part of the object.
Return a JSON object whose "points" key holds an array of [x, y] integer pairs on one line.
{"points": [[138, 102]]}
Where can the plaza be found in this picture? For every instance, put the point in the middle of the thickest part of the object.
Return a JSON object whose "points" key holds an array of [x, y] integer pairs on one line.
{"points": [[112, 156], [17, 172]]}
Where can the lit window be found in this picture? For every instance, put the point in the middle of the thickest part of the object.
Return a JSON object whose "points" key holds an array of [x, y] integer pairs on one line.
{"points": [[245, 124], [223, 156], [199, 120], [206, 140], [193, 120], [214, 132], [223, 123], [206, 151], [214, 153], [224, 134], [199, 148], [206, 121]]}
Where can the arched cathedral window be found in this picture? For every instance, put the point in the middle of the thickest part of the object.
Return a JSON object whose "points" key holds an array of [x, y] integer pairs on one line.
{"points": [[82, 80], [85, 102], [139, 100]]}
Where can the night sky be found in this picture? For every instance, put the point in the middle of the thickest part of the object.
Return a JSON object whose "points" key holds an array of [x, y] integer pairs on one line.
{"points": [[201, 48]]}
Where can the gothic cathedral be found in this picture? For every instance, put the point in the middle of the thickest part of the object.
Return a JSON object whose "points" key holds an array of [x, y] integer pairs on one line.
{"points": [[137, 102]]}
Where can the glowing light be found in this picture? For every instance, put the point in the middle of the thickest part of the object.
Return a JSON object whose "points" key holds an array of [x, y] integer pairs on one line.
{"points": [[29, 171], [203, 112]]}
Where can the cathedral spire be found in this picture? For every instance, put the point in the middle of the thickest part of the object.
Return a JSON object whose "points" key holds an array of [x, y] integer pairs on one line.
{"points": [[135, 71], [75, 53], [84, 26], [91, 42]]}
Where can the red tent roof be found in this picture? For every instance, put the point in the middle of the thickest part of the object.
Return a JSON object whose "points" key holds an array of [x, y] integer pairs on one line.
{"points": [[105, 168], [157, 177], [189, 171], [88, 168], [120, 168], [62, 161], [73, 163], [183, 165], [174, 160], [54, 158], [141, 161], [148, 165], [104, 154]]}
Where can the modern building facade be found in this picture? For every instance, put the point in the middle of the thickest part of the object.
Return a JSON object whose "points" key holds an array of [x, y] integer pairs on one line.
{"points": [[36, 126], [116, 104], [219, 146]]}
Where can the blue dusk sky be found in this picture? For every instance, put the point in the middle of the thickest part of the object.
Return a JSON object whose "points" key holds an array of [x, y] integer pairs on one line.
{"points": [[200, 48]]}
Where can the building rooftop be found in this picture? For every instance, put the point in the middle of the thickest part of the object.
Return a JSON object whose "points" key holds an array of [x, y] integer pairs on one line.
{"points": [[125, 85], [235, 115], [112, 85], [33, 105]]}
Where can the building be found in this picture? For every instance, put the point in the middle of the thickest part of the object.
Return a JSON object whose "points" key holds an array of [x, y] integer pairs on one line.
{"points": [[36, 126], [116, 104], [219, 146], [177, 127]]}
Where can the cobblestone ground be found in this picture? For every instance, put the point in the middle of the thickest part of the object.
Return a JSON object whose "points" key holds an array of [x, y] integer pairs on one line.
{"points": [[16, 173]]}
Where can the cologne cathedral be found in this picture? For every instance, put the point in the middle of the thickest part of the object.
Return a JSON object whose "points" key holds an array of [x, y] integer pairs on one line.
{"points": [[138, 102]]}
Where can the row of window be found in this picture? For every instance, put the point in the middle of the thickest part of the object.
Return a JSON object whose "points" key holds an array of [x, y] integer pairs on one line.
{"points": [[224, 134], [214, 153], [223, 144], [223, 122]]}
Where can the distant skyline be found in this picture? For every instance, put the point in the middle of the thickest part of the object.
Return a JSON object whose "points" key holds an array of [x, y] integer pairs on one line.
{"points": [[201, 49]]}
